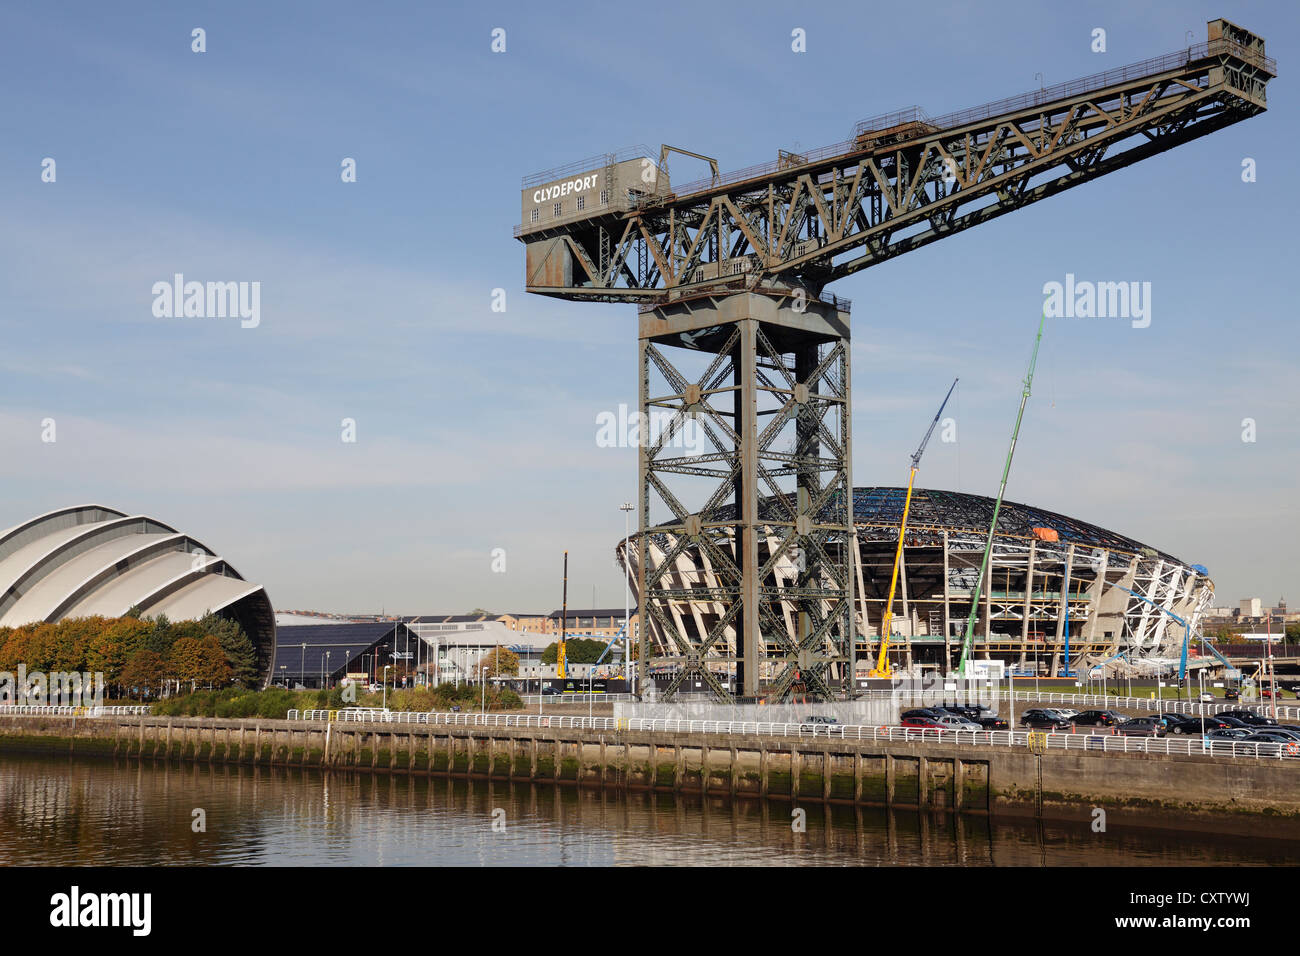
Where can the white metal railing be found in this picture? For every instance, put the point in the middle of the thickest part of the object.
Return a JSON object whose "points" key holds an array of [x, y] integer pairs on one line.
{"points": [[582, 698], [53, 710], [1108, 743], [1167, 705]]}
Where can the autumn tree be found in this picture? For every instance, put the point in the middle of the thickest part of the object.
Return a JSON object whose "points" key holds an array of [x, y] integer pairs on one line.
{"points": [[500, 661], [143, 671]]}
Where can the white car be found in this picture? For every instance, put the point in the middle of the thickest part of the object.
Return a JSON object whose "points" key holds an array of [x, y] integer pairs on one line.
{"points": [[958, 723]]}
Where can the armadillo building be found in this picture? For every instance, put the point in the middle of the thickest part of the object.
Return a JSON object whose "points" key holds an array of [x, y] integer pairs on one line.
{"points": [[90, 560], [1057, 589]]}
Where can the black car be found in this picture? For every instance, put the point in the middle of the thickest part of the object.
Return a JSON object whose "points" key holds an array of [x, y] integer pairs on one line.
{"points": [[1266, 744], [1227, 733], [981, 715], [1237, 740], [1097, 718], [1182, 724], [934, 713], [1037, 719], [1142, 727], [1209, 722], [1249, 717]]}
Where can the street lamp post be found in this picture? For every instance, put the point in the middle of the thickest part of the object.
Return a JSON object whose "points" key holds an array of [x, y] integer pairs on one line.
{"points": [[385, 686], [302, 665]]}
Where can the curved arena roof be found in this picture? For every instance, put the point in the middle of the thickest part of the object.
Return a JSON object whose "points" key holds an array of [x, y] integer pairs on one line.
{"points": [[90, 560], [957, 511]]}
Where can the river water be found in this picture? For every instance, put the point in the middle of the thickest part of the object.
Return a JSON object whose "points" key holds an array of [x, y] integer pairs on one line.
{"points": [[98, 812]]}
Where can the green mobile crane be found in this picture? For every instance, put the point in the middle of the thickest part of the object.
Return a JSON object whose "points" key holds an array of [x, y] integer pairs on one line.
{"points": [[968, 643]]}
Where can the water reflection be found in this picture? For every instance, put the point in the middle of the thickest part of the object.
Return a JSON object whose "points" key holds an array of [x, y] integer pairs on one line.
{"points": [[104, 813]]}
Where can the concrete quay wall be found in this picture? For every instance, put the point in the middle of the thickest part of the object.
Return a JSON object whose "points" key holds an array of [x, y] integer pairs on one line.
{"points": [[1231, 795]]}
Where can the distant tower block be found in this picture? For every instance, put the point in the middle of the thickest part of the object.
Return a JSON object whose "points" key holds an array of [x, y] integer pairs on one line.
{"points": [[748, 451]]}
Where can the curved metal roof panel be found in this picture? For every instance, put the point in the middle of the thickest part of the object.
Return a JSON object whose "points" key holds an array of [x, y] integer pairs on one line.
{"points": [[43, 596], [209, 592]]}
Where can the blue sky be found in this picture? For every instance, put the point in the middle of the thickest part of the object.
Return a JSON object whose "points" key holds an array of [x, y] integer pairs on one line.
{"points": [[476, 430]]}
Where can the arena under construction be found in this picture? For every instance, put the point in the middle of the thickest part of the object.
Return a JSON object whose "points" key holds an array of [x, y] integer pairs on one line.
{"points": [[1056, 595]]}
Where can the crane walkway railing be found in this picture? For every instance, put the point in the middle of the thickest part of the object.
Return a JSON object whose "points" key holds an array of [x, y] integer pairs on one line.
{"points": [[1106, 743], [987, 111]]}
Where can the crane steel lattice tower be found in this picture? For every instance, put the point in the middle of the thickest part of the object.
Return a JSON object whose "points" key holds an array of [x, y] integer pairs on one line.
{"points": [[741, 347]]}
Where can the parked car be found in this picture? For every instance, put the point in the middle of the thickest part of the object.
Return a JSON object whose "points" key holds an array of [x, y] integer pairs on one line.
{"points": [[933, 713], [1178, 723], [817, 724], [1142, 727], [1249, 717], [1037, 718], [978, 714], [922, 722], [1268, 744], [1231, 721], [1237, 740], [551, 692], [1227, 733], [951, 722], [1097, 718], [1279, 733], [1209, 722]]}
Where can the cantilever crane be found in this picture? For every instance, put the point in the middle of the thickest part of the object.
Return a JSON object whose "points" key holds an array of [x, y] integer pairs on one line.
{"points": [[736, 267], [882, 664]]}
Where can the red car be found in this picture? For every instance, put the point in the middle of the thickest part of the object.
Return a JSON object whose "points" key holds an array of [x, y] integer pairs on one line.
{"points": [[927, 722]]}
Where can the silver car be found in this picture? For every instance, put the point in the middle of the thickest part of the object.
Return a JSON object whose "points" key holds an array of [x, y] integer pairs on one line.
{"points": [[958, 723]]}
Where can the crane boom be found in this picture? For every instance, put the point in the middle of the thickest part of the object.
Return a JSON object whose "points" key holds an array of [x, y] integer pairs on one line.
{"points": [[614, 229], [916, 458], [969, 640], [882, 663]]}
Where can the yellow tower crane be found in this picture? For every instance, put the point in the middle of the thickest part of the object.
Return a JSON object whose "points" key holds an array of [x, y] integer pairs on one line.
{"points": [[882, 664]]}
